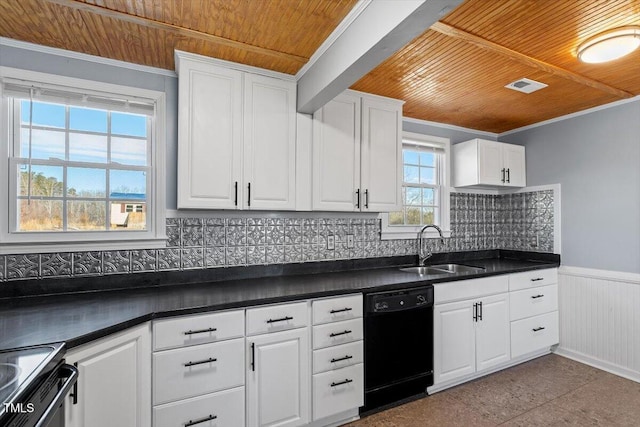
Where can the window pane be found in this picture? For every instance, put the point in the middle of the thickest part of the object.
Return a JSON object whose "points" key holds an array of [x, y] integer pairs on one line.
{"points": [[128, 124], [44, 144], [87, 119], [411, 174], [86, 182], [428, 196], [396, 218], [413, 196], [44, 114], [87, 148], [86, 215], [410, 157], [428, 216], [45, 181], [427, 176], [128, 184], [129, 151], [39, 215], [413, 215], [427, 159]]}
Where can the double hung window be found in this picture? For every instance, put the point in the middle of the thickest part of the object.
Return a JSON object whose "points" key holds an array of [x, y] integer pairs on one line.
{"points": [[424, 187], [82, 164]]}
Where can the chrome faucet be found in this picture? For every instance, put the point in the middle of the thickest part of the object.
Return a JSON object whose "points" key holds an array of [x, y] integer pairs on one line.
{"points": [[422, 257]]}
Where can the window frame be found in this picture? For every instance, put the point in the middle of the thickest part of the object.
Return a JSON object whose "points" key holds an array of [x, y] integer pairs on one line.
{"points": [[389, 232], [30, 242]]}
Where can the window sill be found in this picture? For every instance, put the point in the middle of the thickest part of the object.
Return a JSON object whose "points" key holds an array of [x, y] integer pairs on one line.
{"points": [[412, 234], [36, 248]]}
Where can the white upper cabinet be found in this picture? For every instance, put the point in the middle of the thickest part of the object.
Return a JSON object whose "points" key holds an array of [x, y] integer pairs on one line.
{"points": [[357, 148], [236, 137], [209, 135], [381, 154], [482, 163], [269, 142], [336, 154]]}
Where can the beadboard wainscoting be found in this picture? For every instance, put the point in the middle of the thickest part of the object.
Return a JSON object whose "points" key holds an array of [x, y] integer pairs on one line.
{"points": [[600, 319]]}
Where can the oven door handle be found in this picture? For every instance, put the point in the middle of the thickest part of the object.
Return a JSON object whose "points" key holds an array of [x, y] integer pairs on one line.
{"points": [[71, 373]]}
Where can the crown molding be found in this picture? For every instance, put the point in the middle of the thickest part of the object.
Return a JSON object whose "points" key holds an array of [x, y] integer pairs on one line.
{"points": [[228, 64], [572, 115], [84, 57]]}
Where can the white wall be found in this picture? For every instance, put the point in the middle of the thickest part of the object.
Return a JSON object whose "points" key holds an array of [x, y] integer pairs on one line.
{"points": [[596, 159]]}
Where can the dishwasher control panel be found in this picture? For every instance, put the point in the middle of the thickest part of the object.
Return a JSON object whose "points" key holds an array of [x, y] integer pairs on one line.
{"points": [[384, 302]]}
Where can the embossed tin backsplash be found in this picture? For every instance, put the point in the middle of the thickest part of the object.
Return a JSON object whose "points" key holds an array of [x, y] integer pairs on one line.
{"points": [[519, 221]]}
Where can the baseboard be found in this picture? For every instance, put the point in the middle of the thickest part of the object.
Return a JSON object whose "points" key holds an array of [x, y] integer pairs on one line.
{"points": [[600, 364], [337, 419]]}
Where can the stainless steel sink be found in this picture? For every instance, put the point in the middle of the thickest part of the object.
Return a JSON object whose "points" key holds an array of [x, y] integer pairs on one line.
{"points": [[424, 271], [457, 268], [442, 269]]}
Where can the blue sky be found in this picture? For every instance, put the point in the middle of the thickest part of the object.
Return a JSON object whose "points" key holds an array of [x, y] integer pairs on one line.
{"points": [[47, 144]]}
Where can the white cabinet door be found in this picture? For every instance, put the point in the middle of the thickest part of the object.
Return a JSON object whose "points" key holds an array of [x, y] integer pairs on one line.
{"points": [[269, 143], [381, 152], [490, 169], [454, 341], [336, 154], [513, 160], [493, 342], [278, 390], [114, 385], [209, 136]]}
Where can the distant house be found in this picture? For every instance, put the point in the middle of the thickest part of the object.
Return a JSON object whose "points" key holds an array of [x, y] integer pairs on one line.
{"points": [[125, 204]]}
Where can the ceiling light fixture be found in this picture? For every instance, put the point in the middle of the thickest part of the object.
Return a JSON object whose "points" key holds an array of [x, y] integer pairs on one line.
{"points": [[609, 45]]}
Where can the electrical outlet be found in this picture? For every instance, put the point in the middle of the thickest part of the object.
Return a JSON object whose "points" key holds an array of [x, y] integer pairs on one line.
{"points": [[331, 243], [350, 241]]}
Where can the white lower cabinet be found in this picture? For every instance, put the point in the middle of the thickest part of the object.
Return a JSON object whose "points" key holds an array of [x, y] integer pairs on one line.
{"points": [[338, 356], [221, 409], [278, 379], [337, 391], [198, 370], [114, 385], [470, 336]]}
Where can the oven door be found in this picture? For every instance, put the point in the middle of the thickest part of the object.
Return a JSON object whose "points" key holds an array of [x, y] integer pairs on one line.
{"points": [[54, 397]]}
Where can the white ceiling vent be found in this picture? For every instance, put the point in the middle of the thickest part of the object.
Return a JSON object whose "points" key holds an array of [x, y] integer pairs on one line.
{"points": [[526, 85]]}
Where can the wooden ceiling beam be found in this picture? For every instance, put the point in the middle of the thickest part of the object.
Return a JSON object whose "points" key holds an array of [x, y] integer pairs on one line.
{"points": [[181, 31], [490, 46]]}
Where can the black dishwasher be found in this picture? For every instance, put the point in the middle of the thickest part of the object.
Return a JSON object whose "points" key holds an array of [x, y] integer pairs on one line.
{"points": [[398, 331]]}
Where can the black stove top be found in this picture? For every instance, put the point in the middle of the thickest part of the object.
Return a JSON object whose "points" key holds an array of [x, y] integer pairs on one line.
{"points": [[22, 368]]}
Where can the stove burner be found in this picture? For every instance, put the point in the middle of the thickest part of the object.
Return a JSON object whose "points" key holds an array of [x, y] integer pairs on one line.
{"points": [[9, 373]]}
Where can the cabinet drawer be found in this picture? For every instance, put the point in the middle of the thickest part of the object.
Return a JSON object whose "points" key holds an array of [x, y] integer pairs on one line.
{"points": [[172, 380], [472, 288], [532, 279], [338, 356], [337, 309], [226, 406], [338, 391], [534, 333], [533, 301], [275, 318], [198, 329], [337, 333]]}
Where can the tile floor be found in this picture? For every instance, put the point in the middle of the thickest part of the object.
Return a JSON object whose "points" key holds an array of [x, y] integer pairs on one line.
{"points": [[548, 391]]}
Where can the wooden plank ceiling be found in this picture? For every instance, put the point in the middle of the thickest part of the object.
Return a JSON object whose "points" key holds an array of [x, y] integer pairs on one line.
{"points": [[279, 35], [453, 73], [456, 71]]}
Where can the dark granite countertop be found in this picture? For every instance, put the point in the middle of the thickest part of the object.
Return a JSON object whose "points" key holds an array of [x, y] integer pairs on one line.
{"points": [[80, 317]]}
